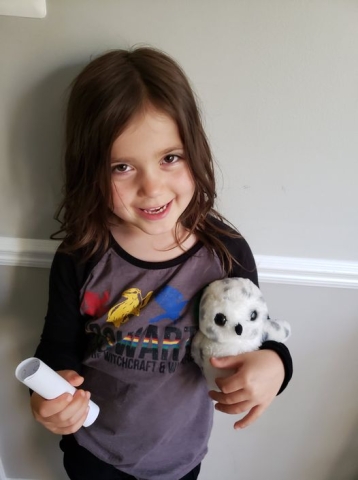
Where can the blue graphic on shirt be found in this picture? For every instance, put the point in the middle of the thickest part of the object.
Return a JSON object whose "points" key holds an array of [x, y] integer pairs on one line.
{"points": [[172, 302]]}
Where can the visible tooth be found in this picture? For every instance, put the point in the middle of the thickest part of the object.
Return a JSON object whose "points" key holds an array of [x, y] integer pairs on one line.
{"points": [[154, 211]]}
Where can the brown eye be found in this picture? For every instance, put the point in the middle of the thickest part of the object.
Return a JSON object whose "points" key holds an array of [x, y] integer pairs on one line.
{"points": [[253, 315], [220, 319], [171, 158], [120, 168]]}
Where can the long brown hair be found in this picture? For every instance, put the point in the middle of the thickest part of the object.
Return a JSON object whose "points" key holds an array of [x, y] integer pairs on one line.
{"points": [[104, 97]]}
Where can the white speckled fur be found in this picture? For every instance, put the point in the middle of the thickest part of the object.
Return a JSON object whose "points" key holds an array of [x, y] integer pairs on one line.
{"points": [[236, 299]]}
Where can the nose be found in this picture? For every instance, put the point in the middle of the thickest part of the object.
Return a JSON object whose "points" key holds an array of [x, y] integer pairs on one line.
{"points": [[150, 184], [238, 329]]}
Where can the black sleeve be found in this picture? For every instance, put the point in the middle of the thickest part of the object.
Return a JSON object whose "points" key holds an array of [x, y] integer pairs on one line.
{"points": [[63, 338], [246, 268], [244, 265]]}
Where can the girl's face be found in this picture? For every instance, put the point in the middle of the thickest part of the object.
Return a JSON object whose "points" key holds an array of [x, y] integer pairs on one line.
{"points": [[151, 181]]}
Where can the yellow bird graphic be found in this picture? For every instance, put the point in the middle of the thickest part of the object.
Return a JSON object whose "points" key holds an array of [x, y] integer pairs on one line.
{"points": [[133, 304]]}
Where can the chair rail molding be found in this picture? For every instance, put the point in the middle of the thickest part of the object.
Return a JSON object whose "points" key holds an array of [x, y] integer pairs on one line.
{"points": [[25, 252]]}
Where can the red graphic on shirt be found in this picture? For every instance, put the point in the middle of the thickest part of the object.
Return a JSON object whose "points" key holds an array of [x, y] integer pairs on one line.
{"points": [[94, 304]]}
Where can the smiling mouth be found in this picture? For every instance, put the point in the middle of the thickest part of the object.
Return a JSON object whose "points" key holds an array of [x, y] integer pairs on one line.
{"points": [[157, 210]]}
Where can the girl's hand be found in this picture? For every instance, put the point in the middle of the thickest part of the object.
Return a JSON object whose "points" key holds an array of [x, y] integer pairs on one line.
{"points": [[257, 379], [66, 413]]}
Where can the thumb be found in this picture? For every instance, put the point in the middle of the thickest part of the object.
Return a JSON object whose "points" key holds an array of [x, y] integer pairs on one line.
{"points": [[224, 362], [72, 377]]}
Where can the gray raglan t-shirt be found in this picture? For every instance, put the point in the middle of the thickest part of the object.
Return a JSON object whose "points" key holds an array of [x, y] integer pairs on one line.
{"points": [[155, 412], [126, 326]]}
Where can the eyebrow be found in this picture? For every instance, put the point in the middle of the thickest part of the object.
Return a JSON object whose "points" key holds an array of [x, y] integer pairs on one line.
{"points": [[161, 153]]}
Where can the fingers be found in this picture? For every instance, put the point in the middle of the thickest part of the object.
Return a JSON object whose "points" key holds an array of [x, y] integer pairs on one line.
{"points": [[224, 362], [42, 408], [234, 403], [238, 394], [62, 415], [229, 405], [230, 384], [231, 381], [72, 377], [72, 417], [235, 408], [73, 427], [229, 398], [250, 418]]}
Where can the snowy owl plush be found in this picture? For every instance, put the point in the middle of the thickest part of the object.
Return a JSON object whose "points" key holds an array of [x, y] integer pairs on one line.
{"points": [[233, 319]]}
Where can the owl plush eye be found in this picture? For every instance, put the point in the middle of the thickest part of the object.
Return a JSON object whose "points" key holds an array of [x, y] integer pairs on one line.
{"points": [[253, 315], [220, 319]]}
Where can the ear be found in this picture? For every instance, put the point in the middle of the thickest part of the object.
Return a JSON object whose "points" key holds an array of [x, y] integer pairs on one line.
{"points": [[278, 330]]}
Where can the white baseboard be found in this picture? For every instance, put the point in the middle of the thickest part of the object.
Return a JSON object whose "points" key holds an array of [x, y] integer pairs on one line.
{"points": [[24, 252]]}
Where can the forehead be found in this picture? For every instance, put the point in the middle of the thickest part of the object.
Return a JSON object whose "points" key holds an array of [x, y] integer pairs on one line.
{"points": [[149, 131]]}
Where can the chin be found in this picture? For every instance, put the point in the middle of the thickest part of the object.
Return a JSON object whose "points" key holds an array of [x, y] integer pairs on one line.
{"points": [[158, 231]]}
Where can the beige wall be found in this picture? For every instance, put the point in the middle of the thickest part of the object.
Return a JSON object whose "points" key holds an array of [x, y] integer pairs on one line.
{"points": [[278, 84]]}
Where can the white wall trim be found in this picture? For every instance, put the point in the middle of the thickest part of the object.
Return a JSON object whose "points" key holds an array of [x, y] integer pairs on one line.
{"points": [[307, 271], [26, 252], [23, 252]]}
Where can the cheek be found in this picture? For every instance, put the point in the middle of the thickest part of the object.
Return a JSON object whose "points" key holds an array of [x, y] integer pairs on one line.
{"points": [[120, 192], [185, 181], [119, 198]]}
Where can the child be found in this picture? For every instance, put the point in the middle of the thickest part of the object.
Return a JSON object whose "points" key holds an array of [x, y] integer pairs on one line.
{"points": [[142, 239]]}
